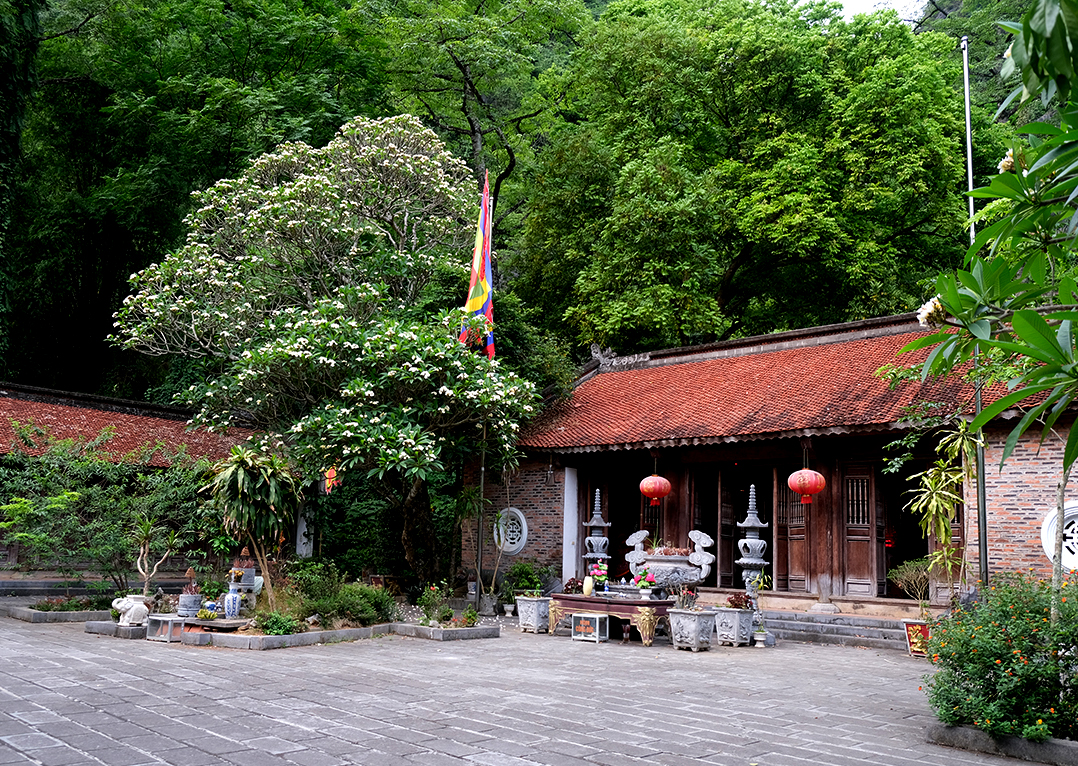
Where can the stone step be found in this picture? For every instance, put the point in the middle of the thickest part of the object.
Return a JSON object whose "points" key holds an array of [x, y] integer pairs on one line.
{"points": [[845, 630]]}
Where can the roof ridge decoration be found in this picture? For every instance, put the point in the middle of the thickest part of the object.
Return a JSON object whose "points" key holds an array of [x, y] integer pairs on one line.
{"points": [[608, 360]]}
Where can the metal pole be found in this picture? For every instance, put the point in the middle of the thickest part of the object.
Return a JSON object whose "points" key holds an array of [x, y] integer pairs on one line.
{"points": [[479, 519], [969, 136], [982, 506]]}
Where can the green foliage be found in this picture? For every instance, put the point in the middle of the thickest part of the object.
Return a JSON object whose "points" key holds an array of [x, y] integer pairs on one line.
{"points": [[73, 604], [434, 601], [1003, 667], [316, 580], [470, 70], [354, 602], [523, 575], [913, 577], [277, 624], [138, 105], [75, 505], [206, 614], [258, 496], [740, 168]]}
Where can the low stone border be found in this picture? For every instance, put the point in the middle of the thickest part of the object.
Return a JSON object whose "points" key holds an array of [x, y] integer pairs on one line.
{"points": [[115, 629], [310, 638], [26, 614], [1058, 752], [446, 634]]}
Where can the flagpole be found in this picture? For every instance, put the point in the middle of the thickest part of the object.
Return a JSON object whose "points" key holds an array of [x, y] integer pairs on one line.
{"points": [[982, 504]]}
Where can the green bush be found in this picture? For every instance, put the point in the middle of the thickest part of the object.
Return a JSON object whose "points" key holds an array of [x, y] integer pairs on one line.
{"points": [[1003, 668], [355, 602], [277, 624], [434, 601], [316, 580], [73, 604]]}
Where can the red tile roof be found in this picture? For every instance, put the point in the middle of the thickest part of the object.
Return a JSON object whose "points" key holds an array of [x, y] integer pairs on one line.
{"points": [[789, 384], [80, 416]]}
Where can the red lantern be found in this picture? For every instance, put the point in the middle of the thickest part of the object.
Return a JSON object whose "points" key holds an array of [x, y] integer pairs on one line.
{"points": [[655, 486], [806, 483]]}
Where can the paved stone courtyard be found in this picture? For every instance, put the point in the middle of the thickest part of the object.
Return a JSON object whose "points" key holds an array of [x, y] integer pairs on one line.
{"points": [[67, 697]]}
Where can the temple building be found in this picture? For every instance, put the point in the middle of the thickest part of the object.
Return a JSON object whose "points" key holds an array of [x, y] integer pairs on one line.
{"points": [[716, 419]]}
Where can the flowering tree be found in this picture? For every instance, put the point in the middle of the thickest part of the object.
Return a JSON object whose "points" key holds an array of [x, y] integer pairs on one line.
{"points": [[302, 284], [1022, 299]]}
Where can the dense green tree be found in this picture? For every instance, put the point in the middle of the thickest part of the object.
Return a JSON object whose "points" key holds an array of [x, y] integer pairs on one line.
{"points": [[468, 69], [146, 103], [19, 39], [744, 168]]}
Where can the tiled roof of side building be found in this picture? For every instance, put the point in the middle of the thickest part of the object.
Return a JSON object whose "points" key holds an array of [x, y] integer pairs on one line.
{"points": [[136, 424], [815, 381]]}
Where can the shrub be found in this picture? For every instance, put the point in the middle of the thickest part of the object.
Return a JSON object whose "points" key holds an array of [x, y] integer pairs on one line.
{"points": [[739, 601], [73, 604], [356, 603], [316, 580], [434, 601], [277, 624], [1003, 668]]}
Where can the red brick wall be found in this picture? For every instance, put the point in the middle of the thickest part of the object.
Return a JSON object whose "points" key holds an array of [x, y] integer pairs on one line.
{"points": [[1017, 499], [541, 505]]}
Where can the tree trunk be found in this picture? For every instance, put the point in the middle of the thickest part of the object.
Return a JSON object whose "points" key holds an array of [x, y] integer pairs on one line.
{"points": [[263, 563], [1057, 552], [417, 535]]}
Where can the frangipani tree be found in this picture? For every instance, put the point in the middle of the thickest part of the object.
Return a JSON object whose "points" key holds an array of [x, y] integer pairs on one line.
{"points": [[1020, 298], [304, 284]]}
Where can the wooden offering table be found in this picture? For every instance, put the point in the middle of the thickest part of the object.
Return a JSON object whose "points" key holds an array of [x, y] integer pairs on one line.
{"points": [[644, 614]]}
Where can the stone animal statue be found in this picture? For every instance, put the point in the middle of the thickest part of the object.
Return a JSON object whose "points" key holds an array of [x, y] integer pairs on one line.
{"points": [[133, 610]]}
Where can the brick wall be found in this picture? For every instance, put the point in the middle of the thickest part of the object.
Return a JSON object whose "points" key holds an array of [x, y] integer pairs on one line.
{"points": [[541, 505], [1017, 499]]}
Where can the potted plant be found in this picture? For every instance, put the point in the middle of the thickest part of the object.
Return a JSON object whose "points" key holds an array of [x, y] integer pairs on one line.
{"points": [[691, 626], [733, 622], [645, 581], [190, 597], [914, 578], [598, 574], [245, 563], [533, 612]]}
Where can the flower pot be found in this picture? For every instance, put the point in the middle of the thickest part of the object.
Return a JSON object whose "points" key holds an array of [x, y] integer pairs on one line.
{"points": [[533, 614], [916, 637], [734, 626], [509, 609], [189, 604], [691, 629], [645, 593]]}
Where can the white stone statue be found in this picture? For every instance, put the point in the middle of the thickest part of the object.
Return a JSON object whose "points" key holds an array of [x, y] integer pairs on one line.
{"points": [[133, 610]]}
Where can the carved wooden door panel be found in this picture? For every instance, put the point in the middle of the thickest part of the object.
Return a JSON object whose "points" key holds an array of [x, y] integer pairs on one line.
{"points": [[790, 537], [858, 507], [727, 539]]}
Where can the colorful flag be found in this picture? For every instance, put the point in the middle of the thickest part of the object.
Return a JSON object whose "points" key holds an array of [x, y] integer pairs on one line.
{"points": [[480, 291]]}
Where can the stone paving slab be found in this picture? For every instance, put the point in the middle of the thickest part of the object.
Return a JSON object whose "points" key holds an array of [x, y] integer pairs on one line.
{"points": [[70, 697]]}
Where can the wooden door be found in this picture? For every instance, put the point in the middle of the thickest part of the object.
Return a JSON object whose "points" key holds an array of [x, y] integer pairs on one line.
{"points": [[790, 536], [727, 540], [862, 522]]}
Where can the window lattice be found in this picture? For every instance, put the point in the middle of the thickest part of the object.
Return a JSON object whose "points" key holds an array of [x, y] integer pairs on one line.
{"points": [[857, 499]]}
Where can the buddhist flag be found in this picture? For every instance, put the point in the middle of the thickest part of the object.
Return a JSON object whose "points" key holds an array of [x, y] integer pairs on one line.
{"points": [[480, 291]]}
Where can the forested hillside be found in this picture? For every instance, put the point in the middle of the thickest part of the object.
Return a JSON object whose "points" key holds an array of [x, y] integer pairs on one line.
{"points": [[665, 172]]}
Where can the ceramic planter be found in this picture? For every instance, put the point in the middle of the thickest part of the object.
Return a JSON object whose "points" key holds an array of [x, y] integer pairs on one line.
{"points": [[533, 614], [734, 626], [691, 629], [189, 604]]}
